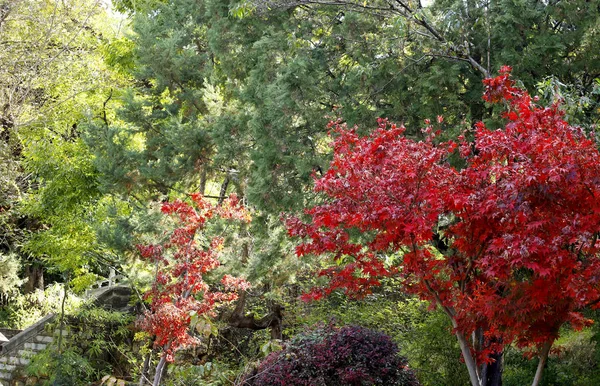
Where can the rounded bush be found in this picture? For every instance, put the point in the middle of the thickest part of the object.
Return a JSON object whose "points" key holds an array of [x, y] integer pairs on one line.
{"points": [[329, 356]]}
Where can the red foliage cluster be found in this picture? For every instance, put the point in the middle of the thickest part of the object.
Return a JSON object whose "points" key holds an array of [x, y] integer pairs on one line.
{"points": [[181, 263], [508, 243]]}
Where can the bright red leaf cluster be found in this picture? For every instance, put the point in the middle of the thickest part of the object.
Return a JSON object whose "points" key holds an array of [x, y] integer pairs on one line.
{"points": [[508, 243], [179, 289]]}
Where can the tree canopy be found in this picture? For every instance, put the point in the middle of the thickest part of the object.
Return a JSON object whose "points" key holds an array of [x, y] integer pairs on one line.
{"points": [[506, 244]]}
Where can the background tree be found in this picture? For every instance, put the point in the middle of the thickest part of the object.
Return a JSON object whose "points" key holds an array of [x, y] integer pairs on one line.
{"points": [[272, 74], [52, 76]]}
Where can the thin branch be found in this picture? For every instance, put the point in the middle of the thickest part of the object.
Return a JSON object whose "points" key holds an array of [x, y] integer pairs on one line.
{"points": [[397, 7], [104, 118]]}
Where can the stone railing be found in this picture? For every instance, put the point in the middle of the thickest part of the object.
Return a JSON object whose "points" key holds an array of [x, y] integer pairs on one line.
{"points": [[100, 285]]}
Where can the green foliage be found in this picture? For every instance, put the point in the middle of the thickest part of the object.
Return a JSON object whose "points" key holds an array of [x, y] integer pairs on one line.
{"points": [[25, 310], [65, 174], [65, 369], [52, 78], [579, 106], [48, 60], [98, 342], [433, 351], [118, 55], [9, 275], [572, 362], [207, 374]]}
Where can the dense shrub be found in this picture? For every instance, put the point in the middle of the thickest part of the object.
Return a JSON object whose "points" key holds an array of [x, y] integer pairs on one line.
{"points": [[332, 356], [99, 342], [433, 353]]}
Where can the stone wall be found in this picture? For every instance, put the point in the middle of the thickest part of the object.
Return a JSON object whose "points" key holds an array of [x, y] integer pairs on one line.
{"points": [[16, 353]]}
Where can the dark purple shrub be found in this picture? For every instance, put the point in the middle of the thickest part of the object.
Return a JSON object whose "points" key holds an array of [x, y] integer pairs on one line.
{"points": [[329, 356]]}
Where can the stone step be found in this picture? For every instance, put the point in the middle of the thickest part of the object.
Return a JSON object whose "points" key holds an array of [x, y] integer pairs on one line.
{"points": [[35, 346], [25, 355], [44, 339], [6, 367], [57, 332], [10, 360]]}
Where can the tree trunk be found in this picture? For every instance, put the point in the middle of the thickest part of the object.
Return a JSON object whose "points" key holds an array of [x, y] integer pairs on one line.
{"points": [[462, 340], [239, 319], [543, 359], [61, 326], [493, 374], [160, 369], [223, 191], [35, 278], [203, 178], [4, 11], [145, 368], [490, 374], [469, 360]]}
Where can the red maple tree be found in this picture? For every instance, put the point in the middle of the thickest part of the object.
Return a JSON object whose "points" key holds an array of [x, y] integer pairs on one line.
{"points": [[181, 263], [507, 244]]}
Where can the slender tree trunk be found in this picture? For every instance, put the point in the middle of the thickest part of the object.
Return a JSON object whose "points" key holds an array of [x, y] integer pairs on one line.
{"points": [[493, 372], [478, 344], [162, 364], [145, 368], [203, 178], [543, 359], [62, 317], [276, 332], [469, 360], [4, 11], [462, 340], [223, 191], [490, 374], [39, 277]]}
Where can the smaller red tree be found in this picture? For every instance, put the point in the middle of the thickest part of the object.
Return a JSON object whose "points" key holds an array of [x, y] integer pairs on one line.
{"points": [[181, 263], [507, 245]]}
